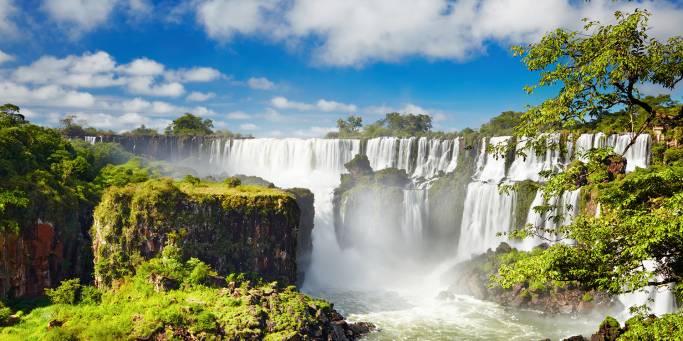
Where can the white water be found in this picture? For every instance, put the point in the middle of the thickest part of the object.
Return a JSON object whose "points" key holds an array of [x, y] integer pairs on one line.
{"points": [[527, 168], [487, 212], [490, 166], [383, 255]]}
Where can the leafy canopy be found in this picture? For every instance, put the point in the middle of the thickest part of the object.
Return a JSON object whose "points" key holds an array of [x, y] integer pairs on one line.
{"points": [[598, 70], [190, 124]]}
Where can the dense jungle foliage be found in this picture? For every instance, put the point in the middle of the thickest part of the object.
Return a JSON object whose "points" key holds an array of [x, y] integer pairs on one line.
{"points": [[636, 238], [168, 298]]}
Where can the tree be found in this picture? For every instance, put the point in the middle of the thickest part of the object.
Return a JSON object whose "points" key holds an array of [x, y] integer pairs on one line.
{"points": [[189, 124], [142, 130], [10, 116], [408, 123], [599, 70], [637, 239], [502, 124], [350, 126], [69, 126]]}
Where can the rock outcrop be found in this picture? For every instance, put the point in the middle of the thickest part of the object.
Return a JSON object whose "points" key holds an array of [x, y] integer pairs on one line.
{"points": [[39, 256], [473, 278], [246, 229]]}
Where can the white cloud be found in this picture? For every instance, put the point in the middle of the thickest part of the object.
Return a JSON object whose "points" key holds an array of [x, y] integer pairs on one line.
{"points": [[325, 105], [143, 67], [196, 74], [248, 126], [322, 105], [147, 86], [48, 95], [355, 32], [4, 57], [408, 108], [260, 83], [196, 96], [224, 18], [273, 115], [142, 76], [90, 70], [120, 123], [238, 115], [7, 11], [314, 131], [83, 15]]}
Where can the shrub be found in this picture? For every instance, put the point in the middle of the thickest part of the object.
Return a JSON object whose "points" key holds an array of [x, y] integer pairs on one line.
{"points": [[233, 181], [68, 292]]}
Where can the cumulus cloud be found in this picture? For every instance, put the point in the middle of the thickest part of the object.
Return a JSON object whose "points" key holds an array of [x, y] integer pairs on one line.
{"points": [[248, 126], [273, 115], [4, 57], [143, 67], [47, 95], [355, 32], [141, 76], [83, 15], [260, 83], [90, 70], [196, 96], [7, 11], [322, 104], [224, 18], [120, 123], [238, 115], [196, 74], [147, 86], [314, 131]]}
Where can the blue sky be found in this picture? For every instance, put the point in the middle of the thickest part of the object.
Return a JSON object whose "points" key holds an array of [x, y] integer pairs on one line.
{"points": [[280, 67]]}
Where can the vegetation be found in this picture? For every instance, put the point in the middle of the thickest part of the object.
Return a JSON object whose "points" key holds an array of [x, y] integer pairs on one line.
{"points": [[636, 241], [189, 124], [599, 70], [170, 298], [185, 209], [501, 125], [43, 176], [393, 124]]}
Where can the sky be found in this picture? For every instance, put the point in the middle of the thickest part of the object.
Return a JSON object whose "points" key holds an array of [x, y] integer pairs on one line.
{"points": [[282, 68]]}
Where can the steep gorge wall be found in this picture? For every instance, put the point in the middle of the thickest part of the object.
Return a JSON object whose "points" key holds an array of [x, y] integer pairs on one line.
{"points": [[245, 229]]}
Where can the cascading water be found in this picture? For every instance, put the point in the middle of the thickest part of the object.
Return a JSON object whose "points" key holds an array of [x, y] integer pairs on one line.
{"points": [[528, 167], [491, 167], [385, 230], [487, 212]]}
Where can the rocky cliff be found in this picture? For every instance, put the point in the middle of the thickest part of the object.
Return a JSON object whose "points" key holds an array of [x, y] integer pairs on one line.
{"points": [[246, 229], [43, 253], [474, 277]]}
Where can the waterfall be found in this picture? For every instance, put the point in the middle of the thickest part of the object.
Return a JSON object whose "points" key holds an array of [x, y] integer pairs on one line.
{"points": [[487, 212], [381, 152], [638, 155], [527, 168], [415, 210], [564, 210], [90, 139], [387, 227], [405, 148], [491, 167]]}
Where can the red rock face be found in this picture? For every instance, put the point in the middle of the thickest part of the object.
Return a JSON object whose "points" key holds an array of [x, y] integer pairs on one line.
{"points": [[30, 261]]}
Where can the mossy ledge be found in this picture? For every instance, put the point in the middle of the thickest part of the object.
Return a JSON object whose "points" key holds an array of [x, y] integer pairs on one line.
{"points": [[248, 229]]}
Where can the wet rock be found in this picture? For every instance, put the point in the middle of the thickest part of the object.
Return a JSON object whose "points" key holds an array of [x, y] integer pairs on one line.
{"points": [[609, 330], [361, 328], [575, 338]]}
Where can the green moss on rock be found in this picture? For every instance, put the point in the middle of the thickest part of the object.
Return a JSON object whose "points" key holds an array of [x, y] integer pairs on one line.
{"points": [[235, 229]]}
